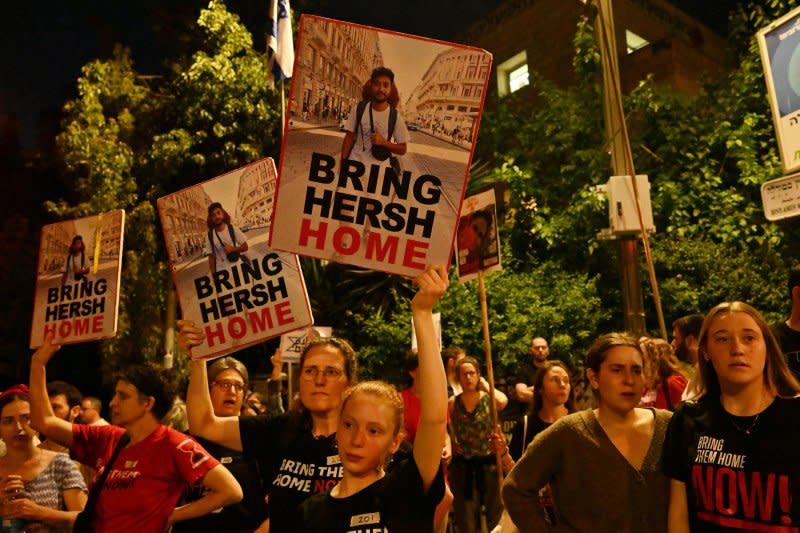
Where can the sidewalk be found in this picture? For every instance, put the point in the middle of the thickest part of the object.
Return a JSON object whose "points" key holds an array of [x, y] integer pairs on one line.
{"points": [[297, 123]]}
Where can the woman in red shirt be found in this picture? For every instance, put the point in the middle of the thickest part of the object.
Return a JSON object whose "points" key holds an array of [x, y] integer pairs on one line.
{"points": [[665, 378]]}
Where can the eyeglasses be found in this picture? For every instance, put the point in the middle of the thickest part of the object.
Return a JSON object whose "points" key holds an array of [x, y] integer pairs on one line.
{"points": [[311, 372], [228, 385]]}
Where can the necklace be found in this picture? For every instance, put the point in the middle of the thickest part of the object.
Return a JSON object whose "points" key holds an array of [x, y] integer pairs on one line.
{"points": [[746, 428]]}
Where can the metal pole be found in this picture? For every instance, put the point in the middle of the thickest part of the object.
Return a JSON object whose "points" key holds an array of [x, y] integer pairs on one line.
{"points": [[632, 298]]}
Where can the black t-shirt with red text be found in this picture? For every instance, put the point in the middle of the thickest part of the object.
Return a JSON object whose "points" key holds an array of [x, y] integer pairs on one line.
{"points": [[741, 473], [301, 465]]}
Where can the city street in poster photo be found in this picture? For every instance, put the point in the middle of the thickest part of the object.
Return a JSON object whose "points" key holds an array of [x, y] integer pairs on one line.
{"points": [[77, 282], [395, 212], [228, 280]]}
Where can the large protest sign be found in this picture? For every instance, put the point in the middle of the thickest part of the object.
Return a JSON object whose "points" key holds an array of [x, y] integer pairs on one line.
{"points": [[780, 54], [478, 238], [373, 168], [78, 279], [228, 280]]}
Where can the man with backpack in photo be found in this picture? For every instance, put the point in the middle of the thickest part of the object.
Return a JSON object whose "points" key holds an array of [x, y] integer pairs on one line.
{"points": [[227, 242], [375, 132]]}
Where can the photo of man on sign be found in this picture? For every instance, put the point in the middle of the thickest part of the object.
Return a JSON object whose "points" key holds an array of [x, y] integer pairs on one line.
{"points": [[376, 133]]}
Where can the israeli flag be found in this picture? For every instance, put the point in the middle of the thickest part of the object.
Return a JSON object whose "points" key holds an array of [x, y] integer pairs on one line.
{"points": [[280, 41]]}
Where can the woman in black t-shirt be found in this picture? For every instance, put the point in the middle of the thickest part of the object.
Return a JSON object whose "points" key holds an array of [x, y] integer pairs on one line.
{"points": [[368, 499], [731, 454], [297, 451], [552, 399]]}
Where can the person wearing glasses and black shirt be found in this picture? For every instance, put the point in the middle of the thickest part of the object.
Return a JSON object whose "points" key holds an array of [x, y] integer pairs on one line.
{"points": [[299, 447], [228, 380]]}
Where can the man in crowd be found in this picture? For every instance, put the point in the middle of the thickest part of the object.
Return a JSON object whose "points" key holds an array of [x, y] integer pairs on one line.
{"points": [[539, 351], [685, 343], [450, 356], [788, 332], [65, 400], [149, 473], [90, 411]]}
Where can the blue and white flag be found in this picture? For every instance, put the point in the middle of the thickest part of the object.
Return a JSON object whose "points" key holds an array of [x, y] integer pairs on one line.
{"points": [[280, 41]]}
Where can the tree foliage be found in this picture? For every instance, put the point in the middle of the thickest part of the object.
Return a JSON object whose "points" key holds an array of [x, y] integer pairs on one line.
{"points": [[128, 139]]}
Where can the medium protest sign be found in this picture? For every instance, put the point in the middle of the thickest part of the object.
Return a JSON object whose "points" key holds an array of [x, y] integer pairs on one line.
{"points": [[375, 160], [478, 239], [292, 343], [779, 44], [78, 280], [228, 280]]}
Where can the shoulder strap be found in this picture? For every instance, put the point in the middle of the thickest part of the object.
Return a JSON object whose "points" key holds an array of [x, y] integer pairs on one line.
{"points": [[94, 494], [211, 239], [392, 121], [360, 113], [233, 237]]}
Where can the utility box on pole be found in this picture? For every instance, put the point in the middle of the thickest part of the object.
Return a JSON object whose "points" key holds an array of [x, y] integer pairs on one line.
{"points": [[623, 218]]}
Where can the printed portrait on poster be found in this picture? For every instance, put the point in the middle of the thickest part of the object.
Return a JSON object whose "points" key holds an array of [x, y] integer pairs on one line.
{"points": [[478, 238]]}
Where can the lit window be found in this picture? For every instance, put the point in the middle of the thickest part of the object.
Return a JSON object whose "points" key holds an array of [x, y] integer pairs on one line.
{"points": [[518, 78], [634, 42], [512, 74]]}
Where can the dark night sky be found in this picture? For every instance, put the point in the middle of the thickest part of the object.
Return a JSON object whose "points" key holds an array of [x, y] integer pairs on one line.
{"points": [[45, 42]]}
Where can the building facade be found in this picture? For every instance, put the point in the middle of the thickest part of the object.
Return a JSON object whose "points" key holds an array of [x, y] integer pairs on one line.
{"points": [[447, 100], [254, 199], [335, 60], [187, 215], [652, 37]]}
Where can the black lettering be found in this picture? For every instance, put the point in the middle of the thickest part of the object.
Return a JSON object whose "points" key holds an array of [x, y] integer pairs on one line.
{"points": [[369, 208], [202, 287], [353, 170], [394, 186], [209, 308], [321, 170], [324, 202], [271, 264], [414, 221], [427, 195], [395, 219], [344, 206]]}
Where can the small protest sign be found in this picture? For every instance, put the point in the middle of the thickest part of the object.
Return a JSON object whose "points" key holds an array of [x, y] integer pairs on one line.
{"points": [[78, 279], [228, 280], [292, 343], [375, 160], [478, 239], [781, 197]]}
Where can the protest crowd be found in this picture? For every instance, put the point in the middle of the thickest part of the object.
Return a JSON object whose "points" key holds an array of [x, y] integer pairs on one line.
{"points": [[693, 435]]}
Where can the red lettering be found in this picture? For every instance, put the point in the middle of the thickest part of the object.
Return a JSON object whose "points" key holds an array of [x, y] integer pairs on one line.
{"points": [[97, 324], [374, 247], [719, 491], [237, 327], [50, 328], [318, 234], [415, 250], [703, 486], [283, 312], [756, 494], [340, 241], [217, 332], [82, 327], [260, 321], [322, 485]]}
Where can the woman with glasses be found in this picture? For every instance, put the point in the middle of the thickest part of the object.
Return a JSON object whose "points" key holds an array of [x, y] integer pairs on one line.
{"points": [[299, 447], [228, 379]]}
